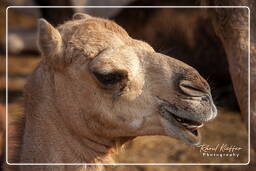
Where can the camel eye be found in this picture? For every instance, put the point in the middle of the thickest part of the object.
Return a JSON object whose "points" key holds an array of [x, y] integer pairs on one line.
{"points": [[110, 78]]}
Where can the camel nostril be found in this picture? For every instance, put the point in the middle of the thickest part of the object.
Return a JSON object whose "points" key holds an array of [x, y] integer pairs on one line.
{"points": [[190, 89]]}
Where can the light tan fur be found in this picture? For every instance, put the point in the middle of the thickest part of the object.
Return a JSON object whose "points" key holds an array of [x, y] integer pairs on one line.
{"points": [[72, 117]]}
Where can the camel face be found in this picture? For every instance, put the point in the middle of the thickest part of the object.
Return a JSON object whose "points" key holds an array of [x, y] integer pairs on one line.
{"points": [[116, 86]]}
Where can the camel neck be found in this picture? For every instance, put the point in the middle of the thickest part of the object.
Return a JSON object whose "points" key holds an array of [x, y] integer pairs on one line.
{"points": [[48, 136], [50, 141]]}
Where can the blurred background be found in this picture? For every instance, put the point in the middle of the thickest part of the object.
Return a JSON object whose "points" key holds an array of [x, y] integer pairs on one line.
{"points": [[185, 34]]}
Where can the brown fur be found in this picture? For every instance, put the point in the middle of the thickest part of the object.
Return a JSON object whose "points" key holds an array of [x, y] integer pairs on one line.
{"points": [[73, 117]]}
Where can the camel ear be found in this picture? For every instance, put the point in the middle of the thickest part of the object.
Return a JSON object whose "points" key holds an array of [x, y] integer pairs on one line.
{"points": [[80, 16], [49, 39]]}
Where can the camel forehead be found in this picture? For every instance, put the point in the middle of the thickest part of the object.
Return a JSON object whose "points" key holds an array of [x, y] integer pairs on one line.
{"points": [[94, 24], [93, 33], [100, 26], [92, 36]]}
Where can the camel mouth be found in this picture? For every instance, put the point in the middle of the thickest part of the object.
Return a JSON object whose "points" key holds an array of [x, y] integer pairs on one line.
{"points": [[183, 128], [188, 124]]}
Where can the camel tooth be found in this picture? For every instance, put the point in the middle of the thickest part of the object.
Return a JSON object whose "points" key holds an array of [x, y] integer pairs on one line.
{"points": [[189, 126], [179, 119], [185, 124], [200, 126], [192, 126]]}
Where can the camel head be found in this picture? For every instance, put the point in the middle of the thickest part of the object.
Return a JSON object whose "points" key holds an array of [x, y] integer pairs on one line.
{"points": [[107, 84]]}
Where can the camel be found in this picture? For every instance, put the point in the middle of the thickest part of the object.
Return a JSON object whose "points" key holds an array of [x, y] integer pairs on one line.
{"points": [[97, 88]]}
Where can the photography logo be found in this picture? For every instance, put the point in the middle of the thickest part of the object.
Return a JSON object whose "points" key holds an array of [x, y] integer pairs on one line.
{"points": [[220, 150]]}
